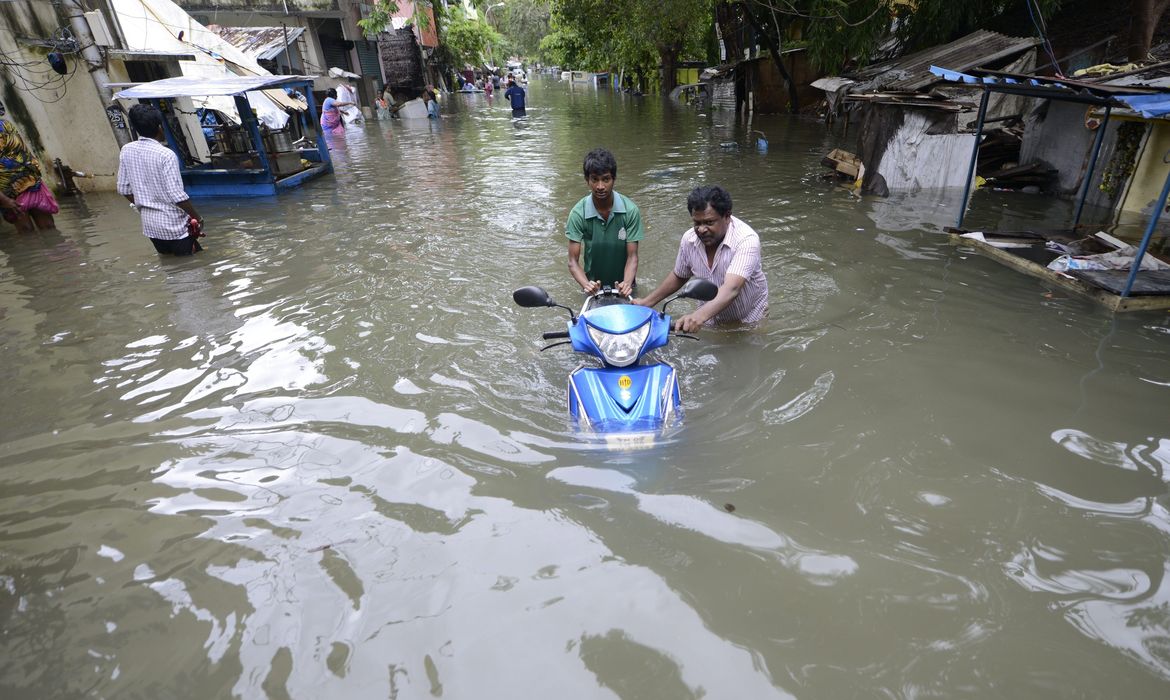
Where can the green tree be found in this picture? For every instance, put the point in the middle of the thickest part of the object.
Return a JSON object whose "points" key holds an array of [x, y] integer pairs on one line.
{"points": [[562, 47], [634, 34], [467, 42], [377, 17], [525, 23], [840, 32], [1144, 18]]}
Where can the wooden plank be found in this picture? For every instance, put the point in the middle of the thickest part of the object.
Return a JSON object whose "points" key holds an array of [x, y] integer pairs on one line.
{"points": [[1111, 301]]}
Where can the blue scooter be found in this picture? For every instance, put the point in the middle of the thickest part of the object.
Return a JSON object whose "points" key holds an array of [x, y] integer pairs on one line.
{"points": [[628, 401]]}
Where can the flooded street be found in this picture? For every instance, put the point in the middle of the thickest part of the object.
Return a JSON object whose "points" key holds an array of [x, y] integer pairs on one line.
{"points": [[325, 457]]}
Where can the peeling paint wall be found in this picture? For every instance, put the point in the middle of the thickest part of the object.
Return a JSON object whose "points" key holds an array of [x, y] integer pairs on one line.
{"points": [[1149, 176], [1055, 134], [66, 121]]}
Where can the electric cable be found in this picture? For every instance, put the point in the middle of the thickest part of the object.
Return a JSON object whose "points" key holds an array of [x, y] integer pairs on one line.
{"points": [[1042, 29]]}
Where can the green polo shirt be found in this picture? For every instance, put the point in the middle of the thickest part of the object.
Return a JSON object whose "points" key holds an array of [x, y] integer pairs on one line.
{"points": [[605, 241]]}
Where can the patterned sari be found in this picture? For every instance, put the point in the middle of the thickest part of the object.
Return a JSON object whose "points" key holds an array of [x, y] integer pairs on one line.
{"points": [[331, 117], [19, 169]]}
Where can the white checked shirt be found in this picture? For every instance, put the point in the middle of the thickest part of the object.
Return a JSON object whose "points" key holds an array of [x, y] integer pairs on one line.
{"points": [[149, 171], [738, 254]]}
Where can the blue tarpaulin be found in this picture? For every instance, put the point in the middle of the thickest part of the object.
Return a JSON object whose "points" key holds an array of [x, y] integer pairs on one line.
{"points": [[1150, 106]]}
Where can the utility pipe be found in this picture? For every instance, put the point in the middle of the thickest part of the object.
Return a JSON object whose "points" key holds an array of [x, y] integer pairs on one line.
{"points": [[79, 25]]}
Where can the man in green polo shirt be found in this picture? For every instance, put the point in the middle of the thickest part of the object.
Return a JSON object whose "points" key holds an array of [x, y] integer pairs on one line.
{"points": [[608, 226]]}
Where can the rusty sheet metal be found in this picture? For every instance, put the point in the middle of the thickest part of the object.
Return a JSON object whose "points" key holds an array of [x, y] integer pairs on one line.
{"points": [[260, 43], [974, 50]]}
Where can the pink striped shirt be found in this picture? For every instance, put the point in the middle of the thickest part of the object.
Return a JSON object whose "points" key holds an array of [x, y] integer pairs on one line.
{"points": [[738, 254]]}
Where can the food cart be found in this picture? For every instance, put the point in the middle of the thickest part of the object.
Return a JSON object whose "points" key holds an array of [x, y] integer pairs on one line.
{"points": [[245, 159]]}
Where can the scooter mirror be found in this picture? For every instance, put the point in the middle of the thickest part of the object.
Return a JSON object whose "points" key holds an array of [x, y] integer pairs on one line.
{"points": [[701, 289], [530, 297]]}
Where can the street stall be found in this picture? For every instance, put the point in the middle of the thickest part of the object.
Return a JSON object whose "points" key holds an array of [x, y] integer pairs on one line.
{"points": [[1120, 275], [248, 152]]}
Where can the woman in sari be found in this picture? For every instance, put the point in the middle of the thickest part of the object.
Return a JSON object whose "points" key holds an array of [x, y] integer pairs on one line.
{"points": [[331, 113], [25, 200]]}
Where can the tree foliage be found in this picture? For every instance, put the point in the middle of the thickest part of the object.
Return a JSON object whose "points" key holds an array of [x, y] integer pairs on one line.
{"points": [[377, 17], [637, 35], [466, 41], [839, 32], [524, 23]]}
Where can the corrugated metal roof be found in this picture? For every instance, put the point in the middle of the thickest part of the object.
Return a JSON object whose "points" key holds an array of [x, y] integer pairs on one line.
{"points": [[1154, 101], [260, 43], [974, 50]]}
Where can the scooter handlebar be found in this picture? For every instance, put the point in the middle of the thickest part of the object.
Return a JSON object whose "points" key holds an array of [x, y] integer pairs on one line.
{"points": [[553, 335]]}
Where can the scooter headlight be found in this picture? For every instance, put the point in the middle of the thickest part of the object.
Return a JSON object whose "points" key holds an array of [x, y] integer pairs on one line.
{"points": [[620, 349]]}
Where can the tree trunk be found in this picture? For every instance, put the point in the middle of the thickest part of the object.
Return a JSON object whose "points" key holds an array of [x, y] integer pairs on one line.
{"points": [[1144, 16], [669, 55], [774, 49]]}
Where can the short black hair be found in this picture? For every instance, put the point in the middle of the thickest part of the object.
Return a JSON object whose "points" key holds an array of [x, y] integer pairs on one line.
{"points": [[599, 162], [331, 92], [709, 195], [146, 120]]}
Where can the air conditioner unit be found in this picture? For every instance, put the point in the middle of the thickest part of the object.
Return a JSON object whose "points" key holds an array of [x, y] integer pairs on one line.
{"points": [[102, 36]]}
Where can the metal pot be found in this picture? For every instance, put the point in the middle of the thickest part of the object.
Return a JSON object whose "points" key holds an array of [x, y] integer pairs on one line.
{"points": [[236, 141], [278, 141]]}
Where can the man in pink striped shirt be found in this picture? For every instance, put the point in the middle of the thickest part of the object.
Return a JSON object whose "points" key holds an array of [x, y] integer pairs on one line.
{"points": [[723, 249]]}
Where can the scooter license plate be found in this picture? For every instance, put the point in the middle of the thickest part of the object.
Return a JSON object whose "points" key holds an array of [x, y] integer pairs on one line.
{"points": [[630, 441]]}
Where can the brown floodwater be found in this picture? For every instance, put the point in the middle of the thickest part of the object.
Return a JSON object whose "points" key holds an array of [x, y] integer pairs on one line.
{"points": [[325, 457]]}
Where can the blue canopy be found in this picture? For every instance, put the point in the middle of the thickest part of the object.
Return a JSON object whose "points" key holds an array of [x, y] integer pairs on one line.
{"points": [[1150, 106]]}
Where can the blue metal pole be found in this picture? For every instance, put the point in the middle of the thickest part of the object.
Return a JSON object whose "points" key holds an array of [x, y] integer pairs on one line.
{"points": [[315, 124], [974, 158], [1141, 253], [1092, 166], [248, 119], [172, 139]]}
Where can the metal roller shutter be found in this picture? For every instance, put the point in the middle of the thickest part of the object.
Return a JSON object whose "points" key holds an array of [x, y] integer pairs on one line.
{"points": [[367, 52], [336, 52]]}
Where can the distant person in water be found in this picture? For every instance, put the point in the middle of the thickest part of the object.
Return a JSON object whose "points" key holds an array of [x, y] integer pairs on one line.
{"points": [[331, 122], [605, 226], [515, 93], [432, 105]]}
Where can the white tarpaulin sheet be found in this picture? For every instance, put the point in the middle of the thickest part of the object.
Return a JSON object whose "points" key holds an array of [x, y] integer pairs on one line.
{"points": [[917, 160], [205, 87], [161, 25]]}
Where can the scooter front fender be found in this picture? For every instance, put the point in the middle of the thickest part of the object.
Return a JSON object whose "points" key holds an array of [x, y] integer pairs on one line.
{"points": [[624, 399]]}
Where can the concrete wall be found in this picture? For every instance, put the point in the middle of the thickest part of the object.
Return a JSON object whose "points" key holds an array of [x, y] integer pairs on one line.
{"points": [[1056, 134], [66, 121]]}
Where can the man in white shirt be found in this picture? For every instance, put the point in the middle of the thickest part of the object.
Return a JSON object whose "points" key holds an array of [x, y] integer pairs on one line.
{"points": [[148, 176]]}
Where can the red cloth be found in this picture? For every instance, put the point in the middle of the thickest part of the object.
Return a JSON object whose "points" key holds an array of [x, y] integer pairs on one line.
{"points": [[38, 197]]}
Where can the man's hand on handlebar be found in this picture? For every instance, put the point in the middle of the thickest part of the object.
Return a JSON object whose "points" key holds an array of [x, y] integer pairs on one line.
{"points": [[593, 287], [687, 324], [625, 288]]}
